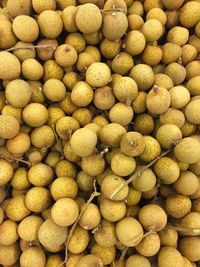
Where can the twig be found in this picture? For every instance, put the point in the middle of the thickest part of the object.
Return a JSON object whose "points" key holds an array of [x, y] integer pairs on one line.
{"points": [[11, 158], [124, 251], [30, 47], [93, 195], [58, 142], [138, 173], [186, 230]]}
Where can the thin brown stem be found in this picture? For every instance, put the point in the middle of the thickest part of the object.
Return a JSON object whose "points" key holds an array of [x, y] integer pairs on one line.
{"points": [[112, 10], [185, 230], [30, 47], [138, 173], [93, 195], [11, 158], [58, 142], [124, 251]]}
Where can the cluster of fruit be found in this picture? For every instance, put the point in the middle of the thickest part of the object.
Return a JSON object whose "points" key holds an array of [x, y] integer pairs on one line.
{"points": [[99, 133]]}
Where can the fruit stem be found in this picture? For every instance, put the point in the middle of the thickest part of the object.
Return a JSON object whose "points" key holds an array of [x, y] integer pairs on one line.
{"points": [[112, 10], [93, 195], [138, 173], [30, 47], [124, 251], [155, 89], [58, 142], [182, 229], [11, 158]]}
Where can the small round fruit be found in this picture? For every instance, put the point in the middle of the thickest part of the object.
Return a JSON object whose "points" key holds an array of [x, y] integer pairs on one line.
{"points": [[152, 30], [121, 113], [17, 209], [192, 111], [149, 246], [137, 260], [152, 149], [35, 114], [93, 165], [98, 74], [6, 172], [106, 236], [40, 174], [50, 92], [8, 233], [91, 217], [64, 187], [187, 183], [180, 97], [112, 211], [178, 206], [38, 199], [29, 227], [82, 94], [132, 144], [90, 260], [189, 14], [33, 257], [79, 240], [169, 256], [122, 164], [10, 67], [135, 43], [111, 134], [176, 72], [168, 134], [190, 247], [143, 75]]}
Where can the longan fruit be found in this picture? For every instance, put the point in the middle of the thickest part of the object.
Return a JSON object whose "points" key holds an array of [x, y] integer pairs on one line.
{"points": [[107, 255], [90, 260], [135, 21], [40, 174], [187, 183], [10, 67], [100, 120], [189, 247], [8, 38], [152, 55], [39, 6], [152, 30], [94, 52], [172, 116], [127, 95], [22, 53], [83, 116], [84, 181], [137, 260], [132, 144], [144, 124], [93, 38], [64, 187], [65, 168], [149, 4], [192, 112], [69, 18], [152, 149], [104, 98], [66, 207], [121, 113], [29, 227], [180, 96], [178, 205], [98, 74], [149, 246], [33, 256], [6, 172], [15, 112], [54, 114], [143, 75], [69, 153], [189, 14], [8, 233], [178, 35], [152, 216], [157, 13], [171, 53], [66, 55], [122, 63], [139, 103], [106, 236], [65, 126], [114, 26], [37, 199], [46, 54], [37, 94], [77, 41], [168, 237], [91, 217], [129, 231], [9, 255], [169, 256], [50, 24], [93, 165], [188, 263], [163, 80], [171, 5], [79, 240], [119, 4], [176, 72], [189, 53], [192, 69], [187, 150], [70, 79], [42, 137], [137, 8], [19, 144], [52, 70], [110, 184], [85, 139], [49, 90], [52, 235], [82, 94], [158, 100], [167, 170], [111, 134], [17, 209], [88, 18], [18, 93], [122, 164], [110, 49], [145, 181], [191, 222], [193, 85], [35, 114], [84, 61], [135, 42], [21, 7], [168, 134], [54, 260]]}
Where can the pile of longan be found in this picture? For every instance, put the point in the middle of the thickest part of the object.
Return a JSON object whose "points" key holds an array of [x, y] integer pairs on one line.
{"points": [[99, 133]]}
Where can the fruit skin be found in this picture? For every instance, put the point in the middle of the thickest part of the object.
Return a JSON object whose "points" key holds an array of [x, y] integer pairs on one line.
{"points": [[9, 255], [33, 257], [192, 111], [143, 75], [98, 74], [9, 126], [10, 67], [189, 14], [169, 256], [190, 248], [21, 7], [92, 18], [187, 150]]}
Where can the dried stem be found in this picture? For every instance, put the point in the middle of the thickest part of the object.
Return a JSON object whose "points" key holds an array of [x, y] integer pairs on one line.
{"points": [[30, 47], [124, 251], [11, 158], [58, 142], [93, 195], [138, 173], [112, 10], [186, 230]]}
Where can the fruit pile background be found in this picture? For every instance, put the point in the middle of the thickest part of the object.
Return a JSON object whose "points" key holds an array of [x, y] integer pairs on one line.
{"points": [[99, 133]]}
